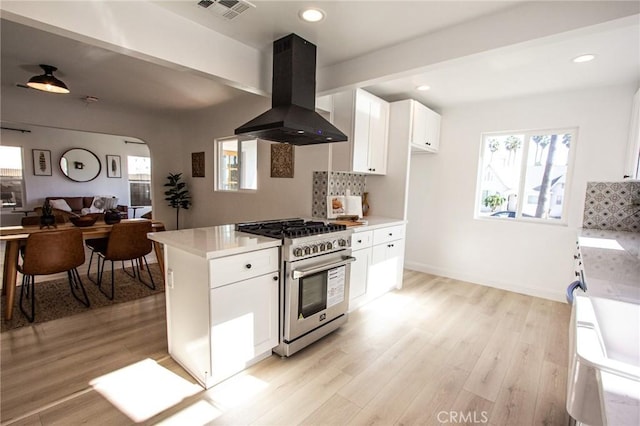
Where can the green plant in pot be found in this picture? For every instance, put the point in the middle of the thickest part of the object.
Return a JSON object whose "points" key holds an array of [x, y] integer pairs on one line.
{"points": [[47, 219], [493, 201], [177, 195]]}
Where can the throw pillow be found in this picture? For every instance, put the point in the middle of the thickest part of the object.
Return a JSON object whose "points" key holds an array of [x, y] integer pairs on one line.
{"points": [[110, 203], [60, 205], [97, 206]]}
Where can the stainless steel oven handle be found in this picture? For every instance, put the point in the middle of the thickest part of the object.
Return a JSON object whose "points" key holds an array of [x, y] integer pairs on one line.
{"points": [[300, 273]]}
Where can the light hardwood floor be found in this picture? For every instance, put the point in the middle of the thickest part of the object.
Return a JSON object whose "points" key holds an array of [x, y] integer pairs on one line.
{"points": [[439, 351]]}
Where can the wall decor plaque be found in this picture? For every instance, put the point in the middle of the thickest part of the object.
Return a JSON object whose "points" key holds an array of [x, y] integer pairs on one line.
{"points": [[197, 164], [282, 160], [113, 166], [41, 162]]}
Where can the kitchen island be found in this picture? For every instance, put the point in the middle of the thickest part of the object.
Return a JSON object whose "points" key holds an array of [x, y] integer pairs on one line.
{"points": [[222, 299]]}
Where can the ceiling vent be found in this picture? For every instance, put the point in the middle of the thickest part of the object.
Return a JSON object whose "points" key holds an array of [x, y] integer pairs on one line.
{"points": [[227, 9]]}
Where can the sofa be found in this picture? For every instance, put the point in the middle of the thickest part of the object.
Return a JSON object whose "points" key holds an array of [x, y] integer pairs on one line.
{"points": [[79, 206]]}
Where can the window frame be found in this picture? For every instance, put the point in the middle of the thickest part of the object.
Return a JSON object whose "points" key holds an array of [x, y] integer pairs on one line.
{"points": [[527, 135], [23, 191], [217, 181], [129, 181]]}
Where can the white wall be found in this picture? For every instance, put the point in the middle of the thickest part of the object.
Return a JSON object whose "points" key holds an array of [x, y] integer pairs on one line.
{"points": [[58, 141], [275, 197], [161, 133], [443, 237]]}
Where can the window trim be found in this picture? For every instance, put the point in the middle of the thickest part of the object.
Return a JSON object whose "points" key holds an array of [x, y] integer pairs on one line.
{"points": [[23, 183], [564, 221], [216, 175], [129, 181]]}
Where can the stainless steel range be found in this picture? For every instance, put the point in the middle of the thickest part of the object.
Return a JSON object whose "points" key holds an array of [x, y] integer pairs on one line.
{"points": [[314, 279]]}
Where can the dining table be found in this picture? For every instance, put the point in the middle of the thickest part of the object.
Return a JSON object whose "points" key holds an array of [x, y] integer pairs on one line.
{"points": [[13, 236]]}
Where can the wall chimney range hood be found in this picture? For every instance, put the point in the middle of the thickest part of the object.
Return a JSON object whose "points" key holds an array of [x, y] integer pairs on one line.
{"points": [[292, 118]]}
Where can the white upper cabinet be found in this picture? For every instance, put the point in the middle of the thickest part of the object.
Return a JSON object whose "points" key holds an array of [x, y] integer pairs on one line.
{"points": [[365, 119], [412, 120]]}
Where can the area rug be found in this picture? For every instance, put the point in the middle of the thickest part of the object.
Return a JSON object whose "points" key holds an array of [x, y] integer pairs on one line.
{"points": [[54, 299]]}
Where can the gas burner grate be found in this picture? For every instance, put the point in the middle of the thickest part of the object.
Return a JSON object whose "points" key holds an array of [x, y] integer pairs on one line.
{"points": [[290, 228]]}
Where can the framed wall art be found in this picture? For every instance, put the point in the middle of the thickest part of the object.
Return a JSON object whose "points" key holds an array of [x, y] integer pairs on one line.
{"points": [[41, 162], [197, 164], [282, 160], [113, 166]]}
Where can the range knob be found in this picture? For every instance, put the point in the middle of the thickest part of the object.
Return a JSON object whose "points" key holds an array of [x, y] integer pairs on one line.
{"points": [[297, 252], [329, 245], [307, 251], [342, 242], [315, 248], [322, 246]]}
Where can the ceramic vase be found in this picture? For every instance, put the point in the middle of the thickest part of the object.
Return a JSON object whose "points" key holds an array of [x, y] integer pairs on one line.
{"points": [[365, 204], [111, 217]]}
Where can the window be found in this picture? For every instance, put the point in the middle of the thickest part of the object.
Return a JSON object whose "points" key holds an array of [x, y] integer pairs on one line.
{"points": [[139, 180], [11, 177], [237, 162], [525, 174]]}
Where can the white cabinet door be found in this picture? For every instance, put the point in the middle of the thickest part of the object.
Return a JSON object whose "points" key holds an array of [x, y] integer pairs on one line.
{"points": [[361, 132], [433, 131], [419, 114], [371, 126], [358, 277], [385, 272], [244, 323], [425, 128]]}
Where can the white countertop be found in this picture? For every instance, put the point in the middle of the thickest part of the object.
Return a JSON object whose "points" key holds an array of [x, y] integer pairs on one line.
{"points": [[374, 222], [214, 241], [611, 263]]}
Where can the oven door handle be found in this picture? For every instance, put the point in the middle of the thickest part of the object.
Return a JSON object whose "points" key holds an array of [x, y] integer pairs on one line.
{"points": [[301, 273]]}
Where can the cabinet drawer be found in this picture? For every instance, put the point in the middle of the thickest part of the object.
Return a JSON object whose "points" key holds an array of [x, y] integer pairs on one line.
{"points": [[243, 266], [361, 240], [391, 233]]}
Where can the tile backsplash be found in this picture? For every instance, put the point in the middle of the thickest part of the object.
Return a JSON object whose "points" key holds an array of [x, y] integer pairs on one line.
{"points": [[334, 183], [610, 206]]}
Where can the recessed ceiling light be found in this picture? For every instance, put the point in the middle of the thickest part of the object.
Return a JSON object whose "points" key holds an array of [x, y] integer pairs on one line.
{"points": [[584, 58], [423, 88], [311, 15]]}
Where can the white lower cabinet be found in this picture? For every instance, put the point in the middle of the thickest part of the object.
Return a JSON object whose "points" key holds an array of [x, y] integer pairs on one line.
{"points": [[385, 271], [359, 277], [216, 326], [244, 323], [379, 263]]}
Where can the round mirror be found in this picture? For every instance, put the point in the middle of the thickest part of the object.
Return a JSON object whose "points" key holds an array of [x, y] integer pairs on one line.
{"points": [[80, 165]]}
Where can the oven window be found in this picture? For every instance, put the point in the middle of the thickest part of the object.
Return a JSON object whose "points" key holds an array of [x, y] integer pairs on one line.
{"points": [[312, 294]]}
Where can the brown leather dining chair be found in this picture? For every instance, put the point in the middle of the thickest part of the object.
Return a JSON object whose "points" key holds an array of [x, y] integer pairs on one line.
{"points": [[51, 252], [126, 241]]}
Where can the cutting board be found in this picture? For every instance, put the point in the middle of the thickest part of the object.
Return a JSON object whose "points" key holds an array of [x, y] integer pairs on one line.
{"points": [[347, 223]]}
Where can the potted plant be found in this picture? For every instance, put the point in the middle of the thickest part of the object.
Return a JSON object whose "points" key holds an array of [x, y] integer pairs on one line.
{"points": [[177, 195], [493, 201], [47, 219]]}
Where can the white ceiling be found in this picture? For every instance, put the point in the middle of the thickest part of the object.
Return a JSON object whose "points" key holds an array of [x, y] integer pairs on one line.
{"points": [[351, 29]]}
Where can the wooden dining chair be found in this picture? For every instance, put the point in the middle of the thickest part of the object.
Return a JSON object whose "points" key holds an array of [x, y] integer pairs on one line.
{"points": [[126, 241], [51, 252]]}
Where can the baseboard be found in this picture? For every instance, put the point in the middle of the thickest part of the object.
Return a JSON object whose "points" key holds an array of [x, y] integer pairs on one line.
{"points": [[463, 276]]}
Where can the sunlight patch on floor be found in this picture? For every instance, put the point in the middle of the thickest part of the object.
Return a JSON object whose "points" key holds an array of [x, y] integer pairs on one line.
{"points": [[198, 413], [143, 389], [240, 389], [237, 390]]}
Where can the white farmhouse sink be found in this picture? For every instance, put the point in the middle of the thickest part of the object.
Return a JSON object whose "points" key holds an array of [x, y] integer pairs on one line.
{"points": [[604, 343]]}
